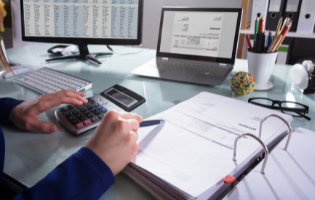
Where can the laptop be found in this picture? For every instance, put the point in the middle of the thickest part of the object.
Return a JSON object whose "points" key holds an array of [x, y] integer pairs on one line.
{"points": [[196, 45]]}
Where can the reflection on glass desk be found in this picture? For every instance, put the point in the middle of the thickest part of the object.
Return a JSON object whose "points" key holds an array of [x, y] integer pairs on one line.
{"points": [[30, 157]]}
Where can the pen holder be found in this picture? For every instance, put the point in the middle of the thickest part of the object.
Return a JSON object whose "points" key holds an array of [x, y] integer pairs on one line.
{"points": [[260, 66]]}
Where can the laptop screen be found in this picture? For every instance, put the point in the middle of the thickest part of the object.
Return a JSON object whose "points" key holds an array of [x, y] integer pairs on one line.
{"points": [[202, 33]]}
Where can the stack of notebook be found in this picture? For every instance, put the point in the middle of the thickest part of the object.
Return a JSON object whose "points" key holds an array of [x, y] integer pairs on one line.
{"points": [[189, 155]]}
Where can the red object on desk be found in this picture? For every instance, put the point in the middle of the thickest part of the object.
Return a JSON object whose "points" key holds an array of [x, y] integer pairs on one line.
{"points": [[229, 179], [248, 43]]}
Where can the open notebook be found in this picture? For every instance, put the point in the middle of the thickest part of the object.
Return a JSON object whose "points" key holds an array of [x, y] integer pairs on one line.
{"points": [[188, 156]]}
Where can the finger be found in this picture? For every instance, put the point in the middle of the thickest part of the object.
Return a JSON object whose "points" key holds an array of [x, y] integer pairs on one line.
{"points": [[40, 127], [67, 93], [126, 115], [133, 124], [74, 94], [45, 104], [135, 135]]}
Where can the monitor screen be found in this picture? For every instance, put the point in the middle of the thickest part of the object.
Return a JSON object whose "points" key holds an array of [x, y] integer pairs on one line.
{"points": [[82, 19], [199, 33], [208, 34]]}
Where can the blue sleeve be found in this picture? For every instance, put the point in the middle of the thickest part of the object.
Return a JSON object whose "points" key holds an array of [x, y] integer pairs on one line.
{"points": [[6, 106], [82, 176]]}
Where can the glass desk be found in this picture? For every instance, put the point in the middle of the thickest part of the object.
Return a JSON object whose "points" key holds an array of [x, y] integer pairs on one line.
{"points": [[30, 156]]}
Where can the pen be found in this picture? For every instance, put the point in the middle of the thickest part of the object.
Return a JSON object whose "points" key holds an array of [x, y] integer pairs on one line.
{"points": [[150, 123], [248, 43], [262, 48], [255, 31], [269, 40], [258, 43]]}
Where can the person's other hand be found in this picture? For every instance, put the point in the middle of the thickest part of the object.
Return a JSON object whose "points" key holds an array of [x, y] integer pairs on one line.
{"points": [[114, 140], [25, 114]]}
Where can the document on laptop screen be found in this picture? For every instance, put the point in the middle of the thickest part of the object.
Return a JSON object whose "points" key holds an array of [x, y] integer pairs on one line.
{"points": [[192, 32], [209, 34]]}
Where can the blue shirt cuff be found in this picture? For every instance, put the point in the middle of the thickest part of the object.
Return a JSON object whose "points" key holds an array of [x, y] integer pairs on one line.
{"points": [[6, 107], [107, 176]]}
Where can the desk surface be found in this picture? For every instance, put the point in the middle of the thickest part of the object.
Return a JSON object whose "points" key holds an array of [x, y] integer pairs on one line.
{"points": [[30, 157]]}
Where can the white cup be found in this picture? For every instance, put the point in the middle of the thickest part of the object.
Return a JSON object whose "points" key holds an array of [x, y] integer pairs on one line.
{"points": [[260, 66]]}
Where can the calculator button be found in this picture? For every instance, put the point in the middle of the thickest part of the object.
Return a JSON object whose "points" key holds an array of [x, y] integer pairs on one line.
{"points": [[79, 126], [75, 112], [78, 115], [97, 113], [70, 108], [88, 106], [100, 117], [85, 112], [87, 122], [71, 118], [104, 110], [89, 115], [74, 122], [93, 119], [63, 110], [68, 115], [81, 110], [96, 104], [91, 101], [82, 119], [93, 110]]}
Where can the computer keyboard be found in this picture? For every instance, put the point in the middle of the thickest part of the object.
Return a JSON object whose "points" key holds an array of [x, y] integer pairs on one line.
{"points": [[192, 67], [47, 80]]}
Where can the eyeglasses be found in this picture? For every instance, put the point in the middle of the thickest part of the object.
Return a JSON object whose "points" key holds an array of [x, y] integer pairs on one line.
{"points": [[289, 107]]}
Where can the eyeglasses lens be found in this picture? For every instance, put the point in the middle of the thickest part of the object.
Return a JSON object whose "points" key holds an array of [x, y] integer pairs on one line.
{"points": [[292, 109], [265, 102]]}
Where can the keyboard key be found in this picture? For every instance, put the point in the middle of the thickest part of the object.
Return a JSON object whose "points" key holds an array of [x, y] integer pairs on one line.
{"points": [[79, 126], [87, 122]]}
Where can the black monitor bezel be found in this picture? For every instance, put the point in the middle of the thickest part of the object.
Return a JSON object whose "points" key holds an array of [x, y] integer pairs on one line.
{"points": [[85, 41], [202, 58]]}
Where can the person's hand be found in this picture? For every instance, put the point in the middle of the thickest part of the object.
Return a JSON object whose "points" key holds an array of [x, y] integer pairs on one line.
{"points": [[114, 140], [25, 114]]}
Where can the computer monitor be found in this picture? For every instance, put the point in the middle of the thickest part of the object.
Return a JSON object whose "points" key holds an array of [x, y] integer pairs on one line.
{"points": [[82, 22]]}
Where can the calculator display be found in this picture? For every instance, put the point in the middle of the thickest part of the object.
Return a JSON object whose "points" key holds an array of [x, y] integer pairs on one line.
{"points": [[121, 97]]}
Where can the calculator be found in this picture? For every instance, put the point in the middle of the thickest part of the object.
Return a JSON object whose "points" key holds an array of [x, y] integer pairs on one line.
{"points": [[79, 119]]}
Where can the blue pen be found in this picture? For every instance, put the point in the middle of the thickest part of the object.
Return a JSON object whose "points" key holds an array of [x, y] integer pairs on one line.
{"points": [[269, 39], [150, 123]]}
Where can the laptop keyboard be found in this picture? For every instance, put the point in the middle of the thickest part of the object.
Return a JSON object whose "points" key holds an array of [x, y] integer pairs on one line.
{"points": [[192, 67]]}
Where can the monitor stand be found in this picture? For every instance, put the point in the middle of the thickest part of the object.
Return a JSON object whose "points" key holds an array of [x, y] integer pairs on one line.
{"points": [[83, 54]]}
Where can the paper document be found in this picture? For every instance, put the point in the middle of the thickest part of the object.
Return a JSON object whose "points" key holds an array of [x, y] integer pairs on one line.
{"points": [[193, 150]]}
